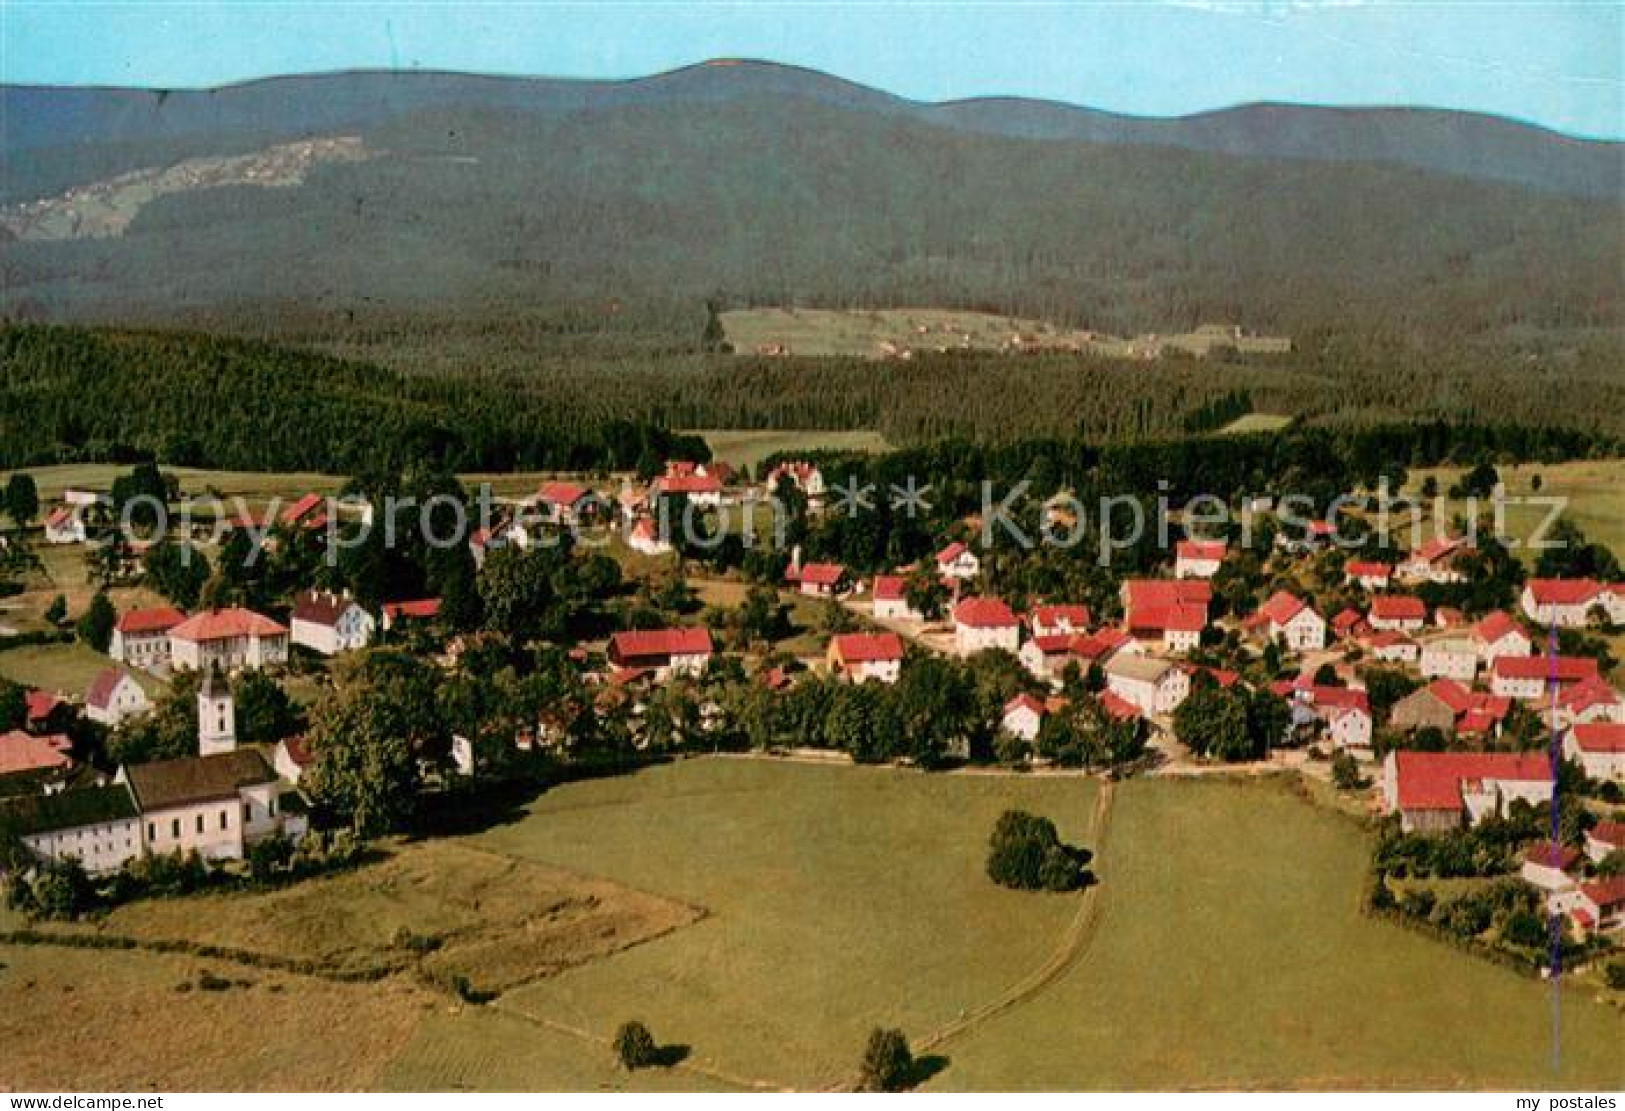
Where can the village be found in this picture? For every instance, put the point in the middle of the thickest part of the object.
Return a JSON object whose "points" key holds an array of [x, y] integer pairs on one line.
{"points": [[1425, 720]]}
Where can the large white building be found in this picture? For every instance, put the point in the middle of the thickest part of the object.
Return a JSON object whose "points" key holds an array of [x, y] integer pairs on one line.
{"points": [[98, 826], [1151, 685], [1599, 747], [983, 623], [227, 639], [1292, 621], [141, 637], [1569, 603]]}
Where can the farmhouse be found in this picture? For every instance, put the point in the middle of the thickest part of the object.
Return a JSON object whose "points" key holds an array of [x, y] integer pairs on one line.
{"points": [[645, 539], [1434, 561], [1589, 700], [1290, 620], [957, 561], [1054, 620], [1344, 711], [1569, 603], [1441, 790], [1347, 623], [227, 639], [1497, 634], [1198, 559], [141, 637], [1151, 685], [410, 612], [1393, 648], [1022, 716], [213, 805], [1604, 839], [1547, 866], [891, 599], [114, 697], [699, 489], [564, 503], [36, 758], [1449, 656], [1403, 613], [1367, 574], [820, 580], [330, 623], [981, 623], [1525, 677], [98, 826], [661, 653], [864, 656], [1144, 593], [1599, 747], [65, 525], [1448, 706], [1174, 628], [1599, 907]]}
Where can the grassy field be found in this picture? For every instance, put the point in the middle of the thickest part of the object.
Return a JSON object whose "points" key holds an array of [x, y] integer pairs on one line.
{"points": [[62, 669], [1232, 953], [839, 898], [746, 447], [1592, 489], [1255, 422], [498, 921], [89, 1020]]}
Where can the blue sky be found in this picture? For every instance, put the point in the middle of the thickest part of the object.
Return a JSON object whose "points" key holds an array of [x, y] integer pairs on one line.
{"points": [[1559, 64]]}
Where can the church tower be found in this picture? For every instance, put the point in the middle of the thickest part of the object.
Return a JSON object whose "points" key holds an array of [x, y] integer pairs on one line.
{"points": [[216, 715]]}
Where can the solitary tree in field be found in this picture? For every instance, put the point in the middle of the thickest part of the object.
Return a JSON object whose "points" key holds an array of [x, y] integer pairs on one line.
{"points": [[96, 626], [22, 498], [635, 1046], [888, 1063]]}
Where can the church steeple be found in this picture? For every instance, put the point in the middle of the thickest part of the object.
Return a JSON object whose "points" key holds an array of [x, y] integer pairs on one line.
{"points": [[216, 715]]}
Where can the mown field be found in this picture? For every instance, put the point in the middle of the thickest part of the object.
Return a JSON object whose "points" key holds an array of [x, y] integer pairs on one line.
{"points": [[1231, 953]]}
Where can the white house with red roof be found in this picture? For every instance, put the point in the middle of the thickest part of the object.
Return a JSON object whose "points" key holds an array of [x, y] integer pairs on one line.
{"points": [[1368, 574], [1443, 790], [645, 539], [1589, 700], [227, 639], [115, 697], [957, 561], [1597, 907], [1498, 634], [1022, 716], [141, 637], [1403, 613], [1599, 747], [1548, 867], [1344, 711], [563, 503], [699, 489], [1173, 628], [1290, 620], [1050, 619], [291, 758], [1434, 561], [804, 476], [890, 595], [409, 611], [1604, 839], [864, 656], [329, 622], [1153, 686], [1198, 559], [661, 653], [23, 754], [1393, 648], [820, 580], [1568, 603], [65, 525], [982, 623], [1526, 677]]}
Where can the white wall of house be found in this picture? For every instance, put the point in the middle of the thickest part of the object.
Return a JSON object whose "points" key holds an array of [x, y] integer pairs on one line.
{"points": [[1404, 652], [1597, 765], [352, 630], [1306, 632], [965, 565], [101, 847], [228, 653], [127, 700], [1022, 722], [147, 651], [1545, 877], [1349, 728], [1189, 568], [1181, 640], [1449, 659], [970, 639], [882, 671], [1511, 643], [896, 609]]}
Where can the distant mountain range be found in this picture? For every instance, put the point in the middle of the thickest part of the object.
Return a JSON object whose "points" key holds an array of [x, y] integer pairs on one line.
{"points": [[771, 183]]}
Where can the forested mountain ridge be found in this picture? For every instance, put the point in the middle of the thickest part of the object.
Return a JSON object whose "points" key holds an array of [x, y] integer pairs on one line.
{"points": [[487, 213]]}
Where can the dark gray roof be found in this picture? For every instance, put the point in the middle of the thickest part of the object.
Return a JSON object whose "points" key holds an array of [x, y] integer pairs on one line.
{"points": [[168, 783], [87, 806]]}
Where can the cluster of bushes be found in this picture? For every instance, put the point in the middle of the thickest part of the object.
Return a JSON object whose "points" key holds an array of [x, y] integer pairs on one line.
{"points": [[1026, 852], [1487, 849]]}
